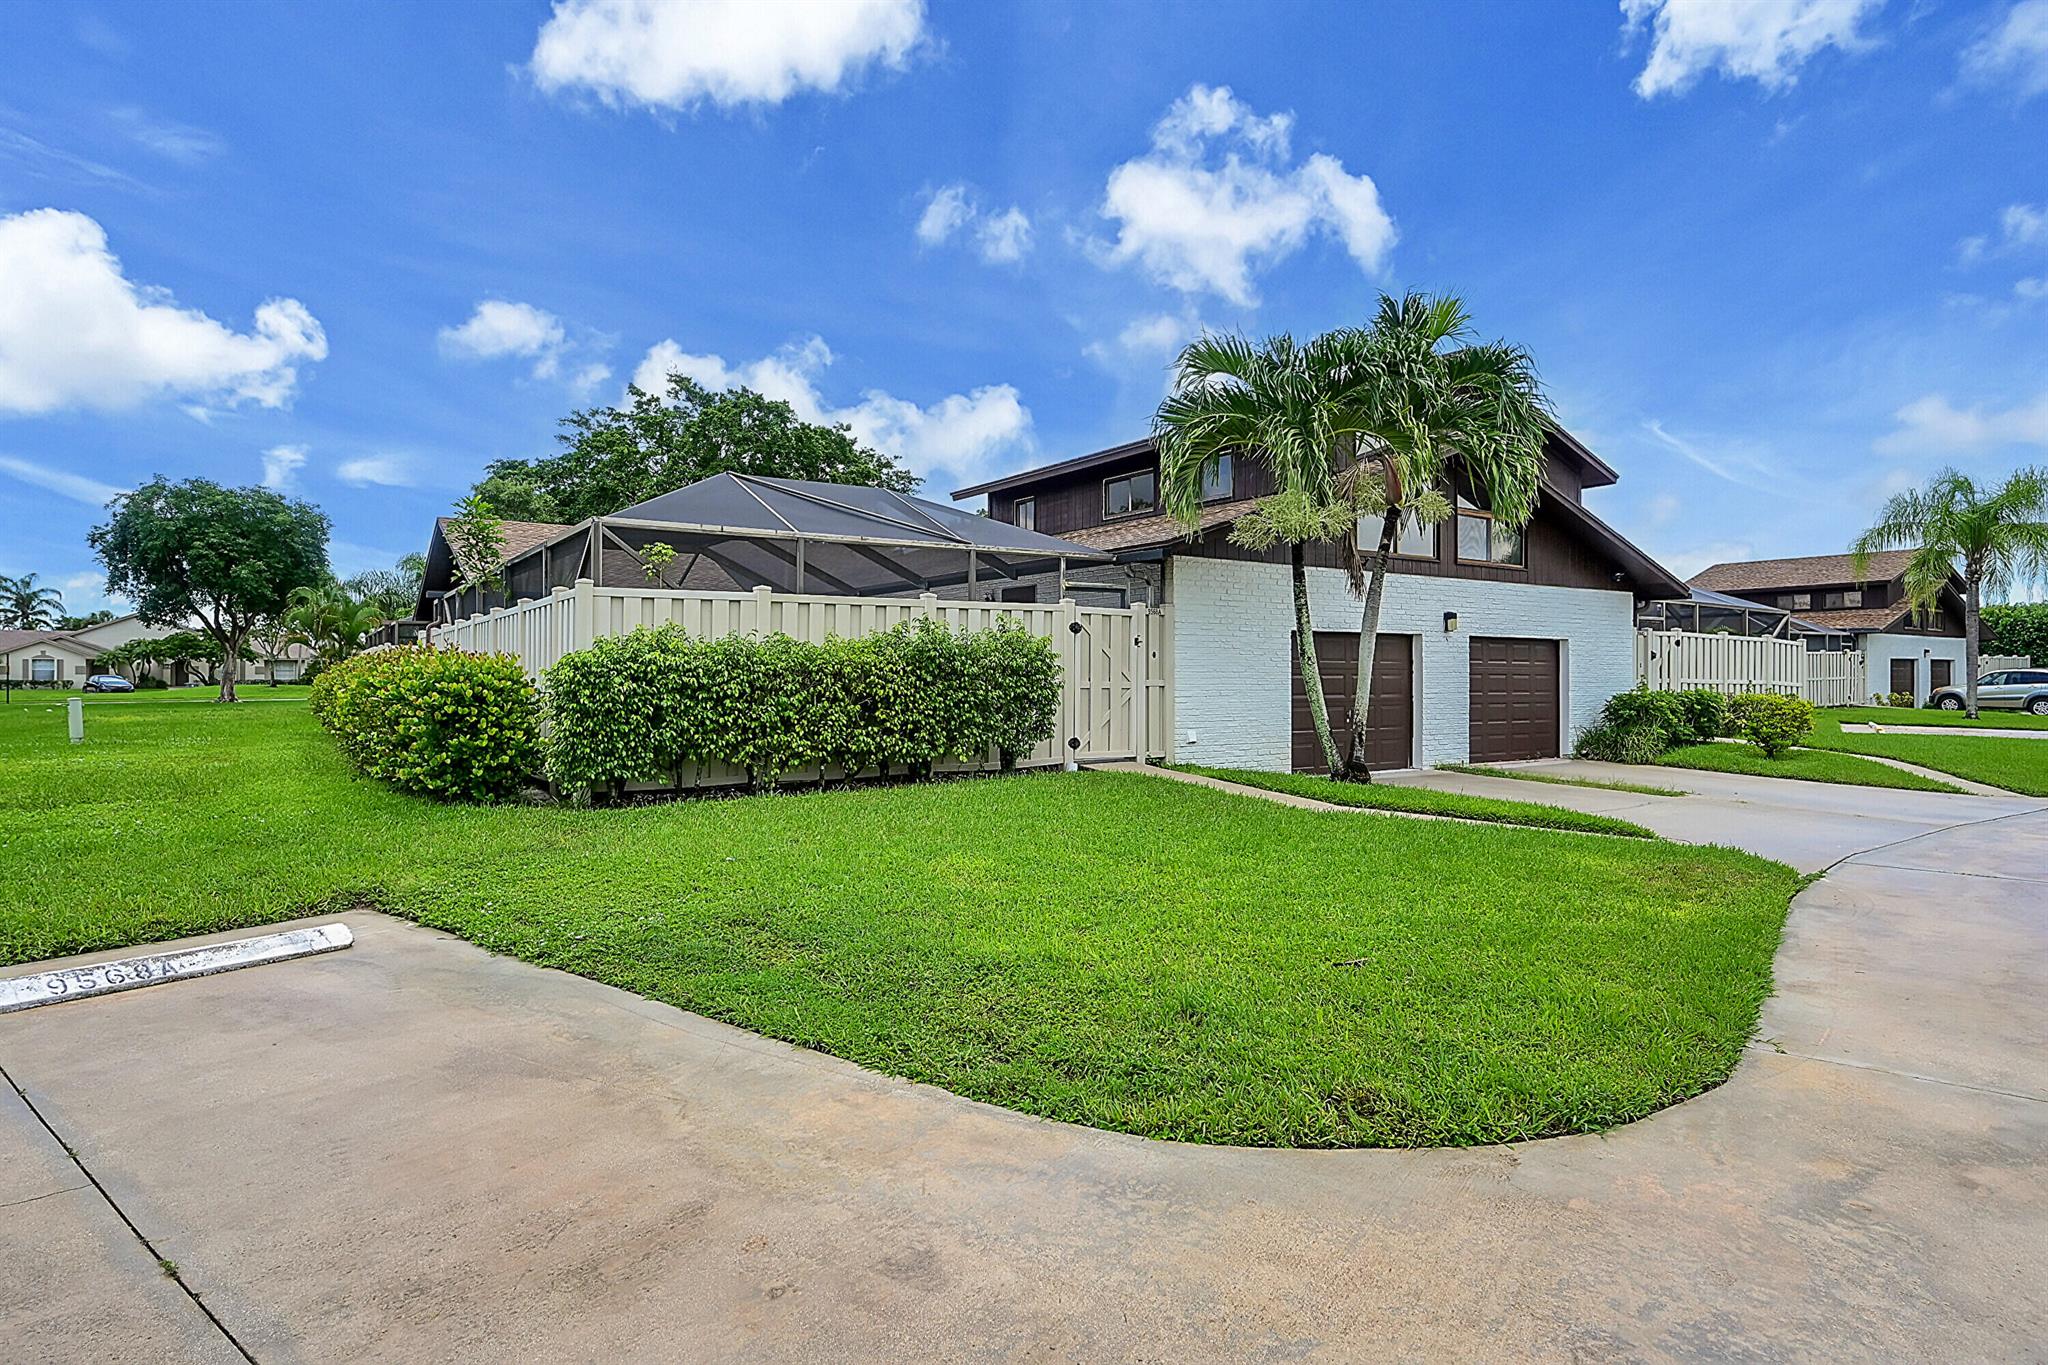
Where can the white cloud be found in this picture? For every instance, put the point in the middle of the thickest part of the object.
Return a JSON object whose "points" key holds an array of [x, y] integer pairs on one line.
{"points": [[1215, 199], [675, 53], [2019, 226], [1663, 508], [1766, 41], [1934, 424], [2015, 53], [958, 434], [954, 210], [588, 377], [76, 332], [945, 213], [500, 328], [392, 471], [61, 482], [1690, 560], [2033, 290], [281, 466], [173, 141]]}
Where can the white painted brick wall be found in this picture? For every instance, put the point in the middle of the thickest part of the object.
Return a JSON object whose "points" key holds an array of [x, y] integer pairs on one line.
{"points": [[1879, 651], [1232, 668]]}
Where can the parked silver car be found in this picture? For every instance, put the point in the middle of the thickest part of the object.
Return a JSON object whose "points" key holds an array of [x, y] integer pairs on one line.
{"points": [[2023, 689]]}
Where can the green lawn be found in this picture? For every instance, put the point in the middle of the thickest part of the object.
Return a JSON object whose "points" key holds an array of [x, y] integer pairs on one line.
{"points": [[1425, 801], [2019, 765], [1111, 949], [1810, 765], [1527, 775], [256, 691], [1918, 716]]}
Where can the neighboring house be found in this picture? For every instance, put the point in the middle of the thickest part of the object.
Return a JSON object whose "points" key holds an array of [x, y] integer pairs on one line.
{"points": [[442, 596], [46, 658], [1905, 651], [1495, 644]]}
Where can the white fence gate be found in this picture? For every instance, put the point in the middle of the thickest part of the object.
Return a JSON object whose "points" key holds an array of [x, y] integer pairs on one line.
{"points": [[1677, 660], [1117, 693]]}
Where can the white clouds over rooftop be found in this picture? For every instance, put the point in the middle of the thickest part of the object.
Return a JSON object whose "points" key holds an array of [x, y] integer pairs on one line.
{"points": [[677, 53], [500, 328], [955, 211]]}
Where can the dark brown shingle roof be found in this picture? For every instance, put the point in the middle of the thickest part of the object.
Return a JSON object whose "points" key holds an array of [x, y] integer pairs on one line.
{"points": [[1806, 571], [520, 536], [1848, 619], [1145, 533]]}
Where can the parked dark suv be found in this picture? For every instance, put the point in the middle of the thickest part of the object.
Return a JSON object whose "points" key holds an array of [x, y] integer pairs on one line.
{"points": [[2022, 689], [107, 682]]}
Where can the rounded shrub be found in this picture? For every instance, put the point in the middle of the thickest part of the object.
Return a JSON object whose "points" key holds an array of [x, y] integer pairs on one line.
{"points": [[1771, 722], [434, 722]]}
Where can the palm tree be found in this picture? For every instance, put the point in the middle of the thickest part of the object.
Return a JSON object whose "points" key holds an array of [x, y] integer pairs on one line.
{"points": [[24, 606], [1994, 536], [329, 621], [1430, 407], [1286, 406]]}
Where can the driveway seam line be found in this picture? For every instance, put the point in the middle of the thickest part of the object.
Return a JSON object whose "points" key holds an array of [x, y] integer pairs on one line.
{"points": [[164, 1263], [1894, 1071], [1951, 872]]}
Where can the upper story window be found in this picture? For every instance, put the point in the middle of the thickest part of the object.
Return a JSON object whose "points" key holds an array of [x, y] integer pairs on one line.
{"points": [[1482, 540], [1415, 540], [1798, 601], [1853, 597], [1218, 479], [1024, 514], [1129, 494]]}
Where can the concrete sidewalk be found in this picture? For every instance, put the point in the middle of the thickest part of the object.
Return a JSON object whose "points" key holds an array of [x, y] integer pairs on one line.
{"points": [[414, 1150]]}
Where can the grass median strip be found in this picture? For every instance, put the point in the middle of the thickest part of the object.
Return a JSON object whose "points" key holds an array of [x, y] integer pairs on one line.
{"points": [[1104, 948], [1425, 801], [2016, 765], [1807, 765], [1525, 775]]}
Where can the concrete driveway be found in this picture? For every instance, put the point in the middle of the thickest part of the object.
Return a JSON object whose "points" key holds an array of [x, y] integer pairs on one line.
{"points": [[414, 1151]]}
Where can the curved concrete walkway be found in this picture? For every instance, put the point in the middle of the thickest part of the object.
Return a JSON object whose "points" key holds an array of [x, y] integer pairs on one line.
{"points": [[414, 1150]]}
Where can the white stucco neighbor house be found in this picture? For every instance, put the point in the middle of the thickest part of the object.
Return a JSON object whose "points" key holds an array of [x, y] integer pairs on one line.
{"points": [[1495, 644], [1906, 652]]}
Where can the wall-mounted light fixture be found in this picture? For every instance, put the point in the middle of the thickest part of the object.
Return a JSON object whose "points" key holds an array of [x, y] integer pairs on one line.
{"points": [[1450, 622]]}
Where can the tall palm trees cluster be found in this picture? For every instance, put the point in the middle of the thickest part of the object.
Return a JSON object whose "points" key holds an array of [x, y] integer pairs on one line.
{"points": [[24, 605], [1360, 428]]}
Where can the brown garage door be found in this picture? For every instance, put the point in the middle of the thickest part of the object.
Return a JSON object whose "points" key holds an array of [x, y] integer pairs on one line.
{"points": [[1514, 699], [1941, 673], [1390, 730], [1902, 676]]}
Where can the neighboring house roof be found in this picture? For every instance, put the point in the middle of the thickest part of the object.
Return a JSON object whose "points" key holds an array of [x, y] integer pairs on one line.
{"points": [[1852, 620], [519, 537], [11, 640], [1815, 571], [1722, 599], [443, 572], [1150, 533]]}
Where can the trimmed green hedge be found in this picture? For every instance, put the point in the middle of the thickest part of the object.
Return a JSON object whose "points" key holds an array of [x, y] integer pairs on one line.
{"points": [[655, 704], [434, 722]]}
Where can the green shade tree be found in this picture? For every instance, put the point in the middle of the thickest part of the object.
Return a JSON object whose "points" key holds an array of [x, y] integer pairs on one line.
{"points": [[197, 551], [1994, 536], [2017, 628], [26, 606], [614, 457]]}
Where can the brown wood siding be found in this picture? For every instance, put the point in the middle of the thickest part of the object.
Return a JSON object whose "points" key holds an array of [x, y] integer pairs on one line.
{"points": [[1514, 699], [1390, 730], [1557, 558]]}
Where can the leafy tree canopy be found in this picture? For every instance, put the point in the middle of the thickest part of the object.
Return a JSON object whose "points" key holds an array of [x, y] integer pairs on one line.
{"points": [[91, 618], [2018, 628], [612, 458], [224, 557], [26, 606]]}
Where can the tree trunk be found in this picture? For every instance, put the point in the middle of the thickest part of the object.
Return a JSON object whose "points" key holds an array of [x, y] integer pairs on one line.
{"points": [[230, 653], [1971, 622], [1311, 674], [1368, 641]]}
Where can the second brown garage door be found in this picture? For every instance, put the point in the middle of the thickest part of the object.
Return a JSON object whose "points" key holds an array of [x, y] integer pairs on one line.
{"points": [[1390, 729], [1514, 699]]}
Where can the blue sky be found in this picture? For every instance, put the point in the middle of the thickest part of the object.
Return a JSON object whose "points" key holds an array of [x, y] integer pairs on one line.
{"points": [[1775, 259]]}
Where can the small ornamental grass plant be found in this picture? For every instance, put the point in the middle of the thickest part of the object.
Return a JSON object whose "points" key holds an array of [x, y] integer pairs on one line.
{"points": [[657, 705], [434, 722], [1771, 722]]}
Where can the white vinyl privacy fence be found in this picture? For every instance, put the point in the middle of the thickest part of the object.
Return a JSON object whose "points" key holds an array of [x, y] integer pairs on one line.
{"points": [[1678, 660], [1117, 693]]}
